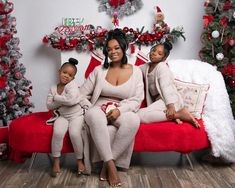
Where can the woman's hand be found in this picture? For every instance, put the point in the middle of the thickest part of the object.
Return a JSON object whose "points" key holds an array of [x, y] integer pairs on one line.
{"points": [[170, 111], [112, 115]]}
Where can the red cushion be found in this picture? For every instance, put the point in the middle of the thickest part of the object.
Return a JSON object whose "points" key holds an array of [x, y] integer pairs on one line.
{"points": [[3, 134], [169, 136], [30, 134]]}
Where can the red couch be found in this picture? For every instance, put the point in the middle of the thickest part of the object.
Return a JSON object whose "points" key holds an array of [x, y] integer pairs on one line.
{"points": [[29, 134]]}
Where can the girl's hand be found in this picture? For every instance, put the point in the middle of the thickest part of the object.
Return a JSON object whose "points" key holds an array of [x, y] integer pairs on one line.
{"points": [[112, 115], [170, 111]]}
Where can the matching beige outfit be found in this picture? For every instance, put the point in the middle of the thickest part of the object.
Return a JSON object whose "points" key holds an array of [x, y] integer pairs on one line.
{"points": [[113, 141], [160, 91], [71, 106]]}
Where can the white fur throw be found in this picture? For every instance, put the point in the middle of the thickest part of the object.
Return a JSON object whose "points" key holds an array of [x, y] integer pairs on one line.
{"points": [[217, 114]]}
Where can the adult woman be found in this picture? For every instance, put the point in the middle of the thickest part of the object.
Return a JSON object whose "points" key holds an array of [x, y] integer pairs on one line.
{"points": [[164, 103], [119, 84]]}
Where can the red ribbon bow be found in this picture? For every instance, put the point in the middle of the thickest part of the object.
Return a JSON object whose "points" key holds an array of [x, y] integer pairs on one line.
{"points": [[207, 20]]}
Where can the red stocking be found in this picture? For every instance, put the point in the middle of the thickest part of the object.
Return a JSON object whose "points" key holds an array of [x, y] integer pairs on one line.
{"points": [[96, 60], [141, 58]]}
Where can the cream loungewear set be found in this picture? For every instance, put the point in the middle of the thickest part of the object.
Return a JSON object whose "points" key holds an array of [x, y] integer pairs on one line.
{"points": [[116, 145], [71, 106], [160, 91]]}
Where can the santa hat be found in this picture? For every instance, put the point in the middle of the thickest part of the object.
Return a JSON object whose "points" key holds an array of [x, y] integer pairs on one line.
{"points": [[158, 10]]}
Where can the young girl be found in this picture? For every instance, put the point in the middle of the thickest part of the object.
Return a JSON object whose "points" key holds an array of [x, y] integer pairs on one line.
{"points": [[71, 105], [164, 103]]}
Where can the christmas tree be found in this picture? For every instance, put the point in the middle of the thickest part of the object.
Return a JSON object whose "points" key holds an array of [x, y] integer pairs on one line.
{"points": [[218, 40], [15, 89]]}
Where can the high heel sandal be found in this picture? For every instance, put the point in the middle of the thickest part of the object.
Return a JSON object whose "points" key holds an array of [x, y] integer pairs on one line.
{"points": [[81, 172], [54, 174], [103, 179]]}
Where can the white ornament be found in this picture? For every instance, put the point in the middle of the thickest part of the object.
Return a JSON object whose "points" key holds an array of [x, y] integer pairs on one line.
{"points": [[234, 14], [219, 56], [215, 34]]}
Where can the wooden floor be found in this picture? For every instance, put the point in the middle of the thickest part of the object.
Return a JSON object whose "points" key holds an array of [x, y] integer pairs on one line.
{"points": [[148, 170]]}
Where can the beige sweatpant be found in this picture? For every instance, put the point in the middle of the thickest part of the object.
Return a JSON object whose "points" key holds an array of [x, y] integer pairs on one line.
{"points": [[118, 146], [73, 125], [155, 112]]}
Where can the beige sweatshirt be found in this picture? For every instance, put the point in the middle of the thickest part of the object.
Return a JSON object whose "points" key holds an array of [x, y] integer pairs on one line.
{"points": [[93, 85]]}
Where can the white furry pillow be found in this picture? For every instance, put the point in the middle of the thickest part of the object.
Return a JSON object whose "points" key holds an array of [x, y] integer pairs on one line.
{"points": [[193, 95]]}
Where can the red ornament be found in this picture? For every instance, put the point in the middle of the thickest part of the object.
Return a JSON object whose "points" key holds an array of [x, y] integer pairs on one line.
{"points": [[88, 36], [4, 66], [141, 38], [207, 20], [3, 52], [114, 3], [159, 35], [3, 80], [101, 40], [229, 69], [224, 21], [209, 36], [206, 4], [231, 42], [125, 29], [232, 83], [227, 5], [26, 101], [18, 75], [73, 42], [45, 40]]}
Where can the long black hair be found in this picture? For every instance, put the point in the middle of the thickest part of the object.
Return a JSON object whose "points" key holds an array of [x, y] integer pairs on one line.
{"points": [[120, 36], [73, 62]]}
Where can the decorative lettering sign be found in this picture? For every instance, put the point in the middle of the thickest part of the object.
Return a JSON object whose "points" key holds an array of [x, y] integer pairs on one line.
{"points": [[71, 26], [72, 21], [66, 30]]}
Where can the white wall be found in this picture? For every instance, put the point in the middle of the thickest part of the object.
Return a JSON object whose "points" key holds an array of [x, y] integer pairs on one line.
{"points": [[38, 18]]}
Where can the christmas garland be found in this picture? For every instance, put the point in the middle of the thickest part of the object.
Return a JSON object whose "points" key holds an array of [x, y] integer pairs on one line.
{"points": [[94, 37]]}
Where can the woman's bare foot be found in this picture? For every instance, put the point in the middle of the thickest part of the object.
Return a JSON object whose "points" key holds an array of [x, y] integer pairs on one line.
{"points": [[186, 116], [113, 177], [103, 173]]}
